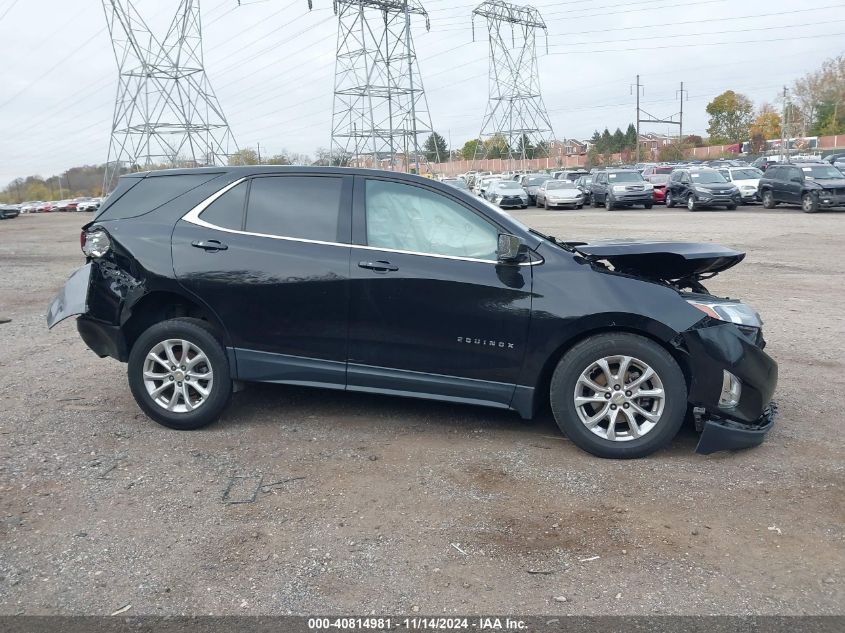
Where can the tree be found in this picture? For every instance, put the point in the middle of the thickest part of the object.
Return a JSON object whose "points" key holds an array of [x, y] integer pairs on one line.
{"points": [[830, 119], [618, 141], [471, 148], [767, 123], [435, 148], [496, 146], [605, 142], [731, 114], [817, 96], [327, 158], [631, 137], [694, 140], [245, 156], [524, 147], [671, 153], [542, 150]]}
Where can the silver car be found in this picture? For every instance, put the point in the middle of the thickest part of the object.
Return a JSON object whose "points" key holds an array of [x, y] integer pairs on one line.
{"points": [[507, 194], [559, 193]]}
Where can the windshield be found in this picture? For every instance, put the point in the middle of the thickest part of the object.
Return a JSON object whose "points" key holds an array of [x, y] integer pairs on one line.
{"points": [[508, 184], [707, 177], [818, 172], [560, 184], [659, 179], [624, 176], [535, 181], [746, 174]]}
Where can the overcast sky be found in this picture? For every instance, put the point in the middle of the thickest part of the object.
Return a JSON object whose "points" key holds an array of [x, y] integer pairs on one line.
{"points": [[271, 63]]}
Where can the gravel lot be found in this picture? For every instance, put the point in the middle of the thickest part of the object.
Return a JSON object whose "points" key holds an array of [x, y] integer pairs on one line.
{"points": [[378, 504]]}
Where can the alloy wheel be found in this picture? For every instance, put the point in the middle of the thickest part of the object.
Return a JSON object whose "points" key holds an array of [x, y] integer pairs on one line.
{"points": [[178, 375], [619, 398]]}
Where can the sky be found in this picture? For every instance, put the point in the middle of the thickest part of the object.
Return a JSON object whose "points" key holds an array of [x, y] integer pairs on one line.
{"points": [[271, 64]]}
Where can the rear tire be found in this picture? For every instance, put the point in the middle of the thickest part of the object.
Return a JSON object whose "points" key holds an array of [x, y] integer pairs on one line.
{"points": [[670, 201], [608, 203], [596, 203], [809, 203], [157, 388], [567, 383], [768, 200]]}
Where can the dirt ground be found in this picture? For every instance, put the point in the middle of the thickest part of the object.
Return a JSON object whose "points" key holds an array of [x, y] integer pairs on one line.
{"points": [[376, 504]]}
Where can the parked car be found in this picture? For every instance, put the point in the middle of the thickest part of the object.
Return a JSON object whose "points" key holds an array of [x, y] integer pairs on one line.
{"points": [[621, 188], [482, 184], [700, 188], [585, 183], [560, 193], [507, 194], [62, 205], [652, 170], [659, 182], [457, 183], [745, 179], [31, 206], [531, 183], [182, 282], [571, 175], [92, 204], [812, 185], [764, 162], [9, 210], [837, 160], [46, 207]]}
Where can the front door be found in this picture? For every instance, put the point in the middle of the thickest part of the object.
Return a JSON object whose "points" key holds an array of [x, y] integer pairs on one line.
{"points": [[270, 257], [432, 311]]}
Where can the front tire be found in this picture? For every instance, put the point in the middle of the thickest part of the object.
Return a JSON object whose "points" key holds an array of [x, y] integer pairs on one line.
{"points": [[768, 200], [670, 201], [648, 205], [635, 420], [809, 203], [691, 204], [179, 374], [608, 203]]}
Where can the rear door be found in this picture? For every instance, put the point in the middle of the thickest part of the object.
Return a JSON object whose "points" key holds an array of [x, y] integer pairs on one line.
{"points": [[270, 256], [432, 311]]}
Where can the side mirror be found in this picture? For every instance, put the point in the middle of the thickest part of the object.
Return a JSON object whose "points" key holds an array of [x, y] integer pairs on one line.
{"points": [[509, 248]]}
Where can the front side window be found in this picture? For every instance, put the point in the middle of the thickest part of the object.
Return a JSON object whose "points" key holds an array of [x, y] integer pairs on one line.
{"points": [[408, 218], [304, 207]]}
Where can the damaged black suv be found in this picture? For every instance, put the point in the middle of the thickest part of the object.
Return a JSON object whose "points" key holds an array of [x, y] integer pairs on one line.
{"points": [[391, 283]]}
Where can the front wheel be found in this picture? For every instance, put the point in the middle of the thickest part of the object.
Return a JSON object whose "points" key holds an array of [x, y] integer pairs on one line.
{"points": [[731, 207], [608, 203], [809, 203], [691, 204], [768, 200], [179, 374], [670, 201], [648, 205], [618, 395]]}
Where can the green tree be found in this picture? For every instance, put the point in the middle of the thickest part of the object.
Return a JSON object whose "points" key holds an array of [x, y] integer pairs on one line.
{"points": [[496, 146], [471, 148], [830, 119], [524, 147], [435, 148], [245, 156], [693, 140], [731, 115], [542, 150], [618, 143], [631, 137]]}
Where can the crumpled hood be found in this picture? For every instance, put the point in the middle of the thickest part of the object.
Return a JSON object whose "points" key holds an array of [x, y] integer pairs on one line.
{"points": [[834, 183], [661, 260]]}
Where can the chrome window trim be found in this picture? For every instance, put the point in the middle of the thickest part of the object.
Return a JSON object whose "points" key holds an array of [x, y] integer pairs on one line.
{"points": [[192, 217]]}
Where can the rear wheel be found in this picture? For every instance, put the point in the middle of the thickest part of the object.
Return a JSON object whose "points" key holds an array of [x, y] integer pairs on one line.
{"points": [[608, 203], [670, 200], [809, 203], [596, 202], [768, 200], [618, 396], [179, 374]]}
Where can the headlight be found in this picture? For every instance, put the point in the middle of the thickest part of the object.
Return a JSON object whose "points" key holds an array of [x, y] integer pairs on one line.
{"points": [[730, 311], [96, 243], [648, 186], [749, 188], [619, 188], [702, 190]]}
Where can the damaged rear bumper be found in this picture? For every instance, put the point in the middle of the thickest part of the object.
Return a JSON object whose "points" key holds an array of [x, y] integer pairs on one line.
{"points": [[728, 435]]}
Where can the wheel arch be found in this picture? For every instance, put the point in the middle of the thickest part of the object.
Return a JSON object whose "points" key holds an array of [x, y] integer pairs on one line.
{"points": [[160, 305], [651, 330]]}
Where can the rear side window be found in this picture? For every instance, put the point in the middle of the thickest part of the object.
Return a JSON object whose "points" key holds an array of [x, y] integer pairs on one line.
{"points": [[150, 193], [305, 207], [228, 210]]}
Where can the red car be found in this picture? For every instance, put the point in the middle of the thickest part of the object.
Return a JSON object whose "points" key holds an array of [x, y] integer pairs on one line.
{"points": [[659, 181], [46, 207], [653, 170]]}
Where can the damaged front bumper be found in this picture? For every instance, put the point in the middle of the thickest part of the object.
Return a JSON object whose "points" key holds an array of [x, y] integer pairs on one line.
{"points": [[717, 349], [728, 435]]}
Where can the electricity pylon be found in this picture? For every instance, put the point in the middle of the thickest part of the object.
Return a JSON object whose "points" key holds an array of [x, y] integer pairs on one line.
{"points": [[166, 113], [380, 107], [516, 124]]}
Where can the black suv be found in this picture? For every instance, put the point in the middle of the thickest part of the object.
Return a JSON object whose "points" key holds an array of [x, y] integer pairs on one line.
{"points": [[615, 188], [391, 283], [812, 185], [700, 188]]}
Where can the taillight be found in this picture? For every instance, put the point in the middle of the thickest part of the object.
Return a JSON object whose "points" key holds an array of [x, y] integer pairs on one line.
{"points": [[95, 243]]}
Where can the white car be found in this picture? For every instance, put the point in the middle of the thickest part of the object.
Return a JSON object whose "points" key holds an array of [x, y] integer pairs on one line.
{"points": [[559, 193], [483, 184], [89, 205], [746, 180]]}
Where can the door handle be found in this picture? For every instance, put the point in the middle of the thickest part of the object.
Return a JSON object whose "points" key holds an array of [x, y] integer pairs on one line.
{"points": [[210, 245], [379, 267]]}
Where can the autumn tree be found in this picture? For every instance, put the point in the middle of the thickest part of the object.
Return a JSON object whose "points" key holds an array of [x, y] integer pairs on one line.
{"points": [[767, 123], [731, 115], [819, 99], [471, 148]]}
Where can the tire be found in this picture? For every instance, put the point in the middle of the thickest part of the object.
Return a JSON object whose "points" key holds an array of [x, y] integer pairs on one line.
{"points": [[691, 205], [731, 207], [809, 203], [624, 444], [768, 200], [608, 203], [596, 203], [203, 341], [541, 206], [670, 201], [648, 205]]}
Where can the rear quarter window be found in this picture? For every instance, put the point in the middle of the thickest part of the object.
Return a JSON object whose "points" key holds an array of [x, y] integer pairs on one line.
{"points": [[150, 193]]}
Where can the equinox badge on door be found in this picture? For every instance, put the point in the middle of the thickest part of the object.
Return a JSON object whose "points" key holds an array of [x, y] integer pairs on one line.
{"points": [[481, 341]]}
